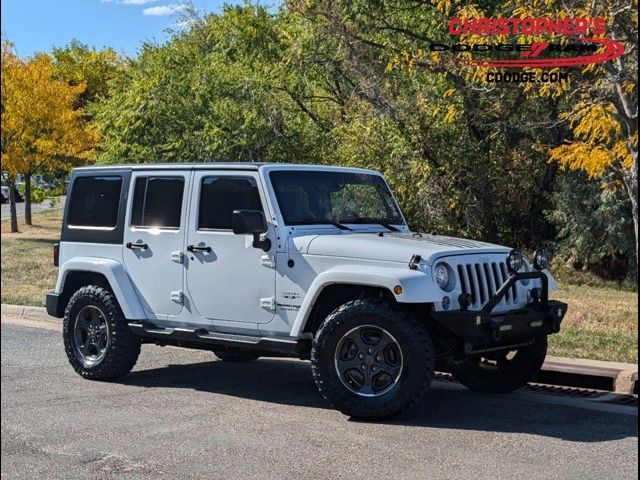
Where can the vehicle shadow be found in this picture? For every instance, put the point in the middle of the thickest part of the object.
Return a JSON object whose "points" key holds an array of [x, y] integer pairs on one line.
{"points": [[289, 382]]}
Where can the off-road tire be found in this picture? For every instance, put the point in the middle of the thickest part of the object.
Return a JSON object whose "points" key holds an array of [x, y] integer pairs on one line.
{"points": [[512, 376], [239, 356], [123, 347], [413, 339]]}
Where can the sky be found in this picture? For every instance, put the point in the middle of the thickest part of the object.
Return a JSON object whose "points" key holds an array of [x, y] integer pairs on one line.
{"points": [[38, 25]]}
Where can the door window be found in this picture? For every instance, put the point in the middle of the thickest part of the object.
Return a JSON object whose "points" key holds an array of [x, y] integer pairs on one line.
{"points": [[220, 196], [157, 202]]}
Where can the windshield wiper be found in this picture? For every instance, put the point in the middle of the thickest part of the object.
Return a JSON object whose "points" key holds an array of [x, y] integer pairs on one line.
{"points": [[322, 221], [386, 225]]}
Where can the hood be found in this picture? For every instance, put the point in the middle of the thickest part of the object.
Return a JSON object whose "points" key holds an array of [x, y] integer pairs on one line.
{"points": [[392, 247]]}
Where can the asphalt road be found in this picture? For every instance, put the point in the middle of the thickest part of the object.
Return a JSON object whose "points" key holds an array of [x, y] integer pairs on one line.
{"points": [[36, 207], [183, 414]]}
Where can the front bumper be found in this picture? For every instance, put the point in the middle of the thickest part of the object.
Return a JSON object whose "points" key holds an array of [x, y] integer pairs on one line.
{"points": [[485, 328]]}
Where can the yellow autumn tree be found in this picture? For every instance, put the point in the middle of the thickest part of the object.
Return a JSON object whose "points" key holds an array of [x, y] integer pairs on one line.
{"points": [[41, 130], [600, 102]]}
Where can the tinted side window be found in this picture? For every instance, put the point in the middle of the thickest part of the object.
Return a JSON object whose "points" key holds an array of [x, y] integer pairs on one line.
{"points": [[157, 202], [94, 202], [220, 196]]}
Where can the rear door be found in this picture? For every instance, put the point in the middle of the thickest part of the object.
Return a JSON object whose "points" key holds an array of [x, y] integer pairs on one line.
{"points": [[154, 239], [227, 278]]}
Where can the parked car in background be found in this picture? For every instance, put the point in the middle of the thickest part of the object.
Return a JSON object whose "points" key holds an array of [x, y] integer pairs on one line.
{"points": [[5, 194]]}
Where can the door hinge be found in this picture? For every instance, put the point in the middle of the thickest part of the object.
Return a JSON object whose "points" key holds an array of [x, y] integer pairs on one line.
{"points": [[268, 303], [177, 256], [176, 296], [266, 261]]}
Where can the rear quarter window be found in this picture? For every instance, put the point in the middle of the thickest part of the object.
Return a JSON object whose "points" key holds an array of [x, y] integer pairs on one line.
{"points": [[95, 207], [95, 202]]}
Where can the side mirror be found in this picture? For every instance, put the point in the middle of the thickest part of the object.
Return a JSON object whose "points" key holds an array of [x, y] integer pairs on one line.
{"points": [[251, 222]]}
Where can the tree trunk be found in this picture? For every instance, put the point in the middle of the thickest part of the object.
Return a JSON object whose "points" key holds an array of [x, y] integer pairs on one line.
{"points": [[12, 205], [27, 198], [631, 183]]}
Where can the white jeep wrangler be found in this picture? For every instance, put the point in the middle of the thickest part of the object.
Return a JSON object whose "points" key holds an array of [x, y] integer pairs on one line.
{"points": [[250, 260]]}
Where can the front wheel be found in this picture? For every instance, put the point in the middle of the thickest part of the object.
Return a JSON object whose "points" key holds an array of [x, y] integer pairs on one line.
{"points": [[372, 360], [501, 372]]}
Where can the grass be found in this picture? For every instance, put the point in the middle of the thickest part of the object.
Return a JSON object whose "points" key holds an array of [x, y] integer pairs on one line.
{"points": [[601, 323], [27, 259]]}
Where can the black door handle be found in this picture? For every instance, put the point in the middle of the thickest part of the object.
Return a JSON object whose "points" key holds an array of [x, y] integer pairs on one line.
{"points": [[195, 248], [141, 246]]}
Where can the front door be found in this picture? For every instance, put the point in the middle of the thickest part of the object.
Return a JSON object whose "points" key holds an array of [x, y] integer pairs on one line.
{"points": [[227, 278], [154, 239]]}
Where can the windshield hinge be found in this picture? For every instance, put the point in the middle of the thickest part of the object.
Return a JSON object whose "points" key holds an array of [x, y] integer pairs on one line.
{"points": [[267, 261]]}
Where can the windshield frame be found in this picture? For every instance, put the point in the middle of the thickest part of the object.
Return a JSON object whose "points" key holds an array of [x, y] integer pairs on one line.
{"points": [[401, 222]]}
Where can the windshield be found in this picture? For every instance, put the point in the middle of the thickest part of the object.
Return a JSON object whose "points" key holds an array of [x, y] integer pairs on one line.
{"points": [[310, 197]]}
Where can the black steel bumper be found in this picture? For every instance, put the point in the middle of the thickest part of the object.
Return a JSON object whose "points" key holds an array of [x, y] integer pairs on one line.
{"points": [[484, 328], [54, 305]]}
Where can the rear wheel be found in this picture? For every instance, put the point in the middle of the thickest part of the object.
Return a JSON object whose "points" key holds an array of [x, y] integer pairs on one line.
{"points": [[97, 339], [501, 372], [372, 360]]}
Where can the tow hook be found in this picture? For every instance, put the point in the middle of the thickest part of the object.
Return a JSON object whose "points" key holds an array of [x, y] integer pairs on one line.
{"points": [[495, 333]]}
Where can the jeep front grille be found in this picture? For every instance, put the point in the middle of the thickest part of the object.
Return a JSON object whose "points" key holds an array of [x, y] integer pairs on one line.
{"points": [[482, 281]]}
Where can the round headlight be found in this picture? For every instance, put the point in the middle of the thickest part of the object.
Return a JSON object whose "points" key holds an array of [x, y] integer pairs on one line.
{"points": [[442, 276], [541, 258], [515, 261]]}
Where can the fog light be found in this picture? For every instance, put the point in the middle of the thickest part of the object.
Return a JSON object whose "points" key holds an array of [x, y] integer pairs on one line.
{"points": [[515, 261], [541, 258], [446, 303]]}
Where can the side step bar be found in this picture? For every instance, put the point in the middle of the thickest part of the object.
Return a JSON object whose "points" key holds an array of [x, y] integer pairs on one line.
{"points": [[204, 339]]}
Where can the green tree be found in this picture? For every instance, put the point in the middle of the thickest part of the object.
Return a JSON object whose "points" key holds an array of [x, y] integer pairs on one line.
{"points": [[594, 226], [79, 64]]}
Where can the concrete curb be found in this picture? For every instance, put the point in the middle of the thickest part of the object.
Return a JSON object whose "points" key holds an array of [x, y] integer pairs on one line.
{"points": [[569, 372], [30, 313]]}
